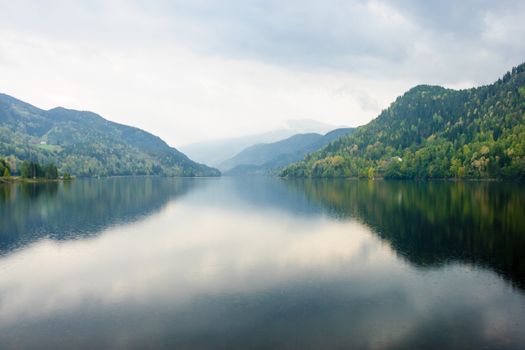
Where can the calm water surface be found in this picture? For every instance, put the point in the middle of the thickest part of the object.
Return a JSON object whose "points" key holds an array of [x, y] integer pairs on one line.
{"points": [[262, 263]]}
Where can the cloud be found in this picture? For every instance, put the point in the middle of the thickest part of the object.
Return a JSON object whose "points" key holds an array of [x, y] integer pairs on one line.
{"points": [[310, 34], [366, 101], [383, 38], [195, 70]]}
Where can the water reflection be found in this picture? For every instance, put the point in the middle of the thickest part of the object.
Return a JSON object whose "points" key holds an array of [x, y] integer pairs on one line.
{"points": [[29, 212], [226, 267], [435, 223]]}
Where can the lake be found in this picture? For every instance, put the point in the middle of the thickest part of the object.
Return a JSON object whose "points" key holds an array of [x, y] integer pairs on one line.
{"points": [[258, 263]]}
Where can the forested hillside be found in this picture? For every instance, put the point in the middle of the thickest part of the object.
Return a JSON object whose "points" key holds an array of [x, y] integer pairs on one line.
{"points": [[433, 132], [85, 144]]}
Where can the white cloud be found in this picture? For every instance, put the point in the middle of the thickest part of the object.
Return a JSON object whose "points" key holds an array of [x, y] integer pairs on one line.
{"points": [[175, 93], [191, 71]]}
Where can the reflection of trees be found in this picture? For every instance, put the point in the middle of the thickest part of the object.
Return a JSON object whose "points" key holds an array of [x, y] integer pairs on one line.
{"points": [[83, 207], [432, 223]]}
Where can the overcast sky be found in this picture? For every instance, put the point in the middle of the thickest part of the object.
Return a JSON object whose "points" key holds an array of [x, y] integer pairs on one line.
{"points": [[206, 69]]}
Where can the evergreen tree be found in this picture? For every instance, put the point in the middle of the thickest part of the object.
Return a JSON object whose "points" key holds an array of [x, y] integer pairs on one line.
{"points": [[3, 165], [50, 171], [25, 170]]}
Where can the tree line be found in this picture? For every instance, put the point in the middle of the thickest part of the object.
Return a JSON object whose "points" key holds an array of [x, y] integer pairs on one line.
{"points": [[32, 170]]}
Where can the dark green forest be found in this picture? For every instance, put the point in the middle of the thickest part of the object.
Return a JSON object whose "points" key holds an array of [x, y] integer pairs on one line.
{"points": [[85, 144], [434, 132], [32, 170]]}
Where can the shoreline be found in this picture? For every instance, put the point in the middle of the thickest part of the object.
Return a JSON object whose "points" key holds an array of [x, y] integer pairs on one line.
{"points": [[18, 179], [451, 179]]}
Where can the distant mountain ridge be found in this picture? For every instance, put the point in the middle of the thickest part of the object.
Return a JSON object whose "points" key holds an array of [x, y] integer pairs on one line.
{"points": [[434, 132], [215, 152], [85, 144], [266, 158]]}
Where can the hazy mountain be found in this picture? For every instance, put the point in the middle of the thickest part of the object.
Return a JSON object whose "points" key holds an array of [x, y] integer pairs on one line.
{"points": [[267, 157], [217, 151], [85, 144], [433, 132]]}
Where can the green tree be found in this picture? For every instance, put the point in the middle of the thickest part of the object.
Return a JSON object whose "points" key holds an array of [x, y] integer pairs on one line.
{"points": [[371, 173], [33, 170], [3, 165], [50, 171], [393, 170], [25, 170]]}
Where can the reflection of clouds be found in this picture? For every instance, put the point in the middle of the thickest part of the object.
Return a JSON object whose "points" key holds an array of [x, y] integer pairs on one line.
{"points": [[209, 265], [176, 255]]}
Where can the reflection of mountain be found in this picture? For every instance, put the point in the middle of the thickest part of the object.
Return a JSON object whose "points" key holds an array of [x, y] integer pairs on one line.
{"points": [[83, 207], [433, 223]]}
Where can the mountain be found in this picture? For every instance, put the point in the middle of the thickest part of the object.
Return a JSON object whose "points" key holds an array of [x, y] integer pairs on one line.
{"points": [[217, 151], [85, 144], [267, 157], [433, 132]]}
